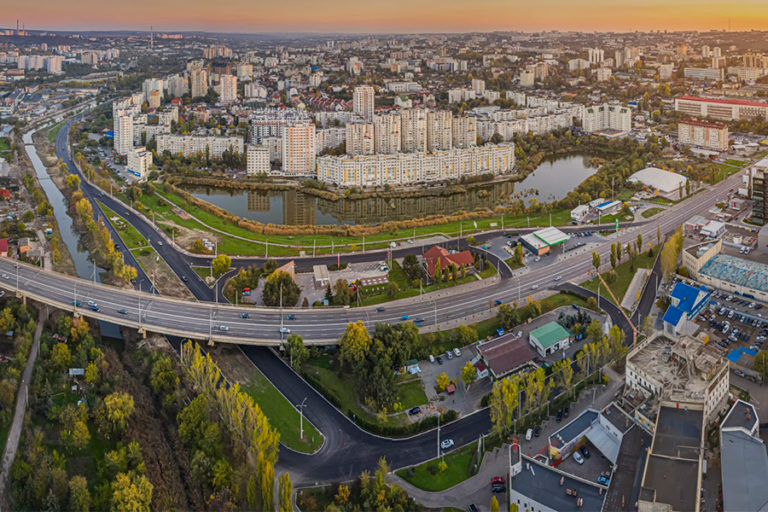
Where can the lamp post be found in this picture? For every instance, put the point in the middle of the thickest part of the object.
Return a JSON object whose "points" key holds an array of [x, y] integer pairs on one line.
{"points": [[301, 407]]}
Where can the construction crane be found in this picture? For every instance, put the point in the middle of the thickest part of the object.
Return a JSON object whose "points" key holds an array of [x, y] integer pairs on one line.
{"points": [[618, 305]]}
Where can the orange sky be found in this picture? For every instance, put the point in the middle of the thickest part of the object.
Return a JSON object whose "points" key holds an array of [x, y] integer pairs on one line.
{"points": [[386, 15]]}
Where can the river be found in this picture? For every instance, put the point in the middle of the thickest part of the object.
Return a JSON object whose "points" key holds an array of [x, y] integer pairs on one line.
{"points": [[553, 179]]}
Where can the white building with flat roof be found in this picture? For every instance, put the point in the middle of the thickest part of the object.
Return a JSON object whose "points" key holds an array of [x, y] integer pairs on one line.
{"points": [[139, 162], [257, 160], [193, 144]]}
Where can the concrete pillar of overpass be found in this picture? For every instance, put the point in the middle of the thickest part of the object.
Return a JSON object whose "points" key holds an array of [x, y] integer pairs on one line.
{"points": [[143, 333]]}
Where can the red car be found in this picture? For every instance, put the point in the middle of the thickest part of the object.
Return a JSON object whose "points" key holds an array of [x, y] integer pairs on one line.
{"points": [[497, 480]]}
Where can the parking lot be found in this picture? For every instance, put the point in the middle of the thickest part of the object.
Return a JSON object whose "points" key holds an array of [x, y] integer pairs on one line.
{"points": [[593, 467], [734, 322], [463, 401], [504, 247]]}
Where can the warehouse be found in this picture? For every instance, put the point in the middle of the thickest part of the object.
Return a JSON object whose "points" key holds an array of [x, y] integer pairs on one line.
{"points": [[549, 338], [665, 183]]}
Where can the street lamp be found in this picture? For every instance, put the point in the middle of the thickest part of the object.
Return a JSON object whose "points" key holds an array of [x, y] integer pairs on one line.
{"points": [[301, 407]]}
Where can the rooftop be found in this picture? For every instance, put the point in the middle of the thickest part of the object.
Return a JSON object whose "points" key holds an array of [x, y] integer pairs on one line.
{"points": [[625, 484], [551, 236], [744, 472], [506, 354], [678, 432], [659, 179], [741, 272], [542, 484], [722, 100], [573, 429], [549, 334], [742, 415]]}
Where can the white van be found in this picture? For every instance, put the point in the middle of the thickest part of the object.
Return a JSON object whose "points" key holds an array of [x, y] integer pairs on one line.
{"points": [[529, 434], [431, 358]]}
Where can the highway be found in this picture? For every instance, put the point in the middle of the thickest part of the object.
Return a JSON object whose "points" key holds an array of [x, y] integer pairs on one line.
{"points": [[203, 320]]}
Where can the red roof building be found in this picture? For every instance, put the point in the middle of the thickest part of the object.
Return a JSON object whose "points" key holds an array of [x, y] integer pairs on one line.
{"points": [[3, 247], [446, 259]]}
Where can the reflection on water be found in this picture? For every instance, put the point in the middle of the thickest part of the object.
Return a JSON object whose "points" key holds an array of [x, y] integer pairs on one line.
{"points": [[552, 179]]}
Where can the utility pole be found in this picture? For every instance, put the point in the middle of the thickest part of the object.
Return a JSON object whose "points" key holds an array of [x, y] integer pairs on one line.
{"points": [[301, 407], [281, 312]]}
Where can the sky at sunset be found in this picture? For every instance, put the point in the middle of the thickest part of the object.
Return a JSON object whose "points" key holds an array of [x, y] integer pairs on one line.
{"points": [[358, 16]]}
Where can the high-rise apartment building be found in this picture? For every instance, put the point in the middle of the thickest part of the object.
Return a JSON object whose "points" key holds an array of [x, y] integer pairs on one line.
{"points": [[387, 130], [414, 131], [299, 149], [152, 84], [360, 139], [227, 89], [257, 160], [439, 130], [759, 193], [139, 162], [478, 86], [527, 78], [706, 52], [362, 102], [595, 55], [123, 132], [607, 117], [464, 132], [177, 86], [53, 64], [198, 82], [712, 136]]}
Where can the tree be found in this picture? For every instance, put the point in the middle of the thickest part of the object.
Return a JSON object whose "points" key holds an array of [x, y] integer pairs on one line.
{"points": [[275, 282], [198, 246], [164, 380], [411, 267], [79, 496], [519, 256], [596, 261], [658, 234], [285, 493], [618, 252], [221, 264], [468, 374], [131, 493], [342, 495], [594, 330], [297, 352], [119, 407], [354, 344], [494, 504], [639, 243], [60, 356], [392, 289], [506, 316], [467, 334], [267, 477], [222, 474], [761, 362], [670, 253], [442, 381], [342, 293]]}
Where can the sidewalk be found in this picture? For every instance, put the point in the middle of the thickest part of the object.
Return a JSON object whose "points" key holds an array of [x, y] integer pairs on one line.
{"points": [[474, 490], [14, 434]]}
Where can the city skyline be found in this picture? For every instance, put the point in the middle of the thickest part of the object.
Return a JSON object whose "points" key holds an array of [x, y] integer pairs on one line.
{"points": [[347, 16]]}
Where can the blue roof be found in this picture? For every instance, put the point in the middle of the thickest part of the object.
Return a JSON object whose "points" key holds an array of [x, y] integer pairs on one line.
{"points": [[673, 315], [734, 355], [687, 295]]}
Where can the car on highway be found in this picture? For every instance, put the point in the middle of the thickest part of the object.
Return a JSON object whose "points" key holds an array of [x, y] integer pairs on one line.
{"points": [[122, 311], [94, 307], [5, 276], [91, 303], [160, 243], [380, 309], [497, 302], [285, 330], [419, 319], [557, 278], [77, 303], [224, 328], [578, 458], [291, 317], [245, 315], [535, 287], [185, 279], [446, 443], [405, 317]]}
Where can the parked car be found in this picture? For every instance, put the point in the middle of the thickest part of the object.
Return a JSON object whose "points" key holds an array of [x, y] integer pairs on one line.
{"points": [[529, 434], [439, 360], [457, 352], [603, 480], [585, 452], [578, 458], [536, 431], [559, 416], [566, 411], [414, 410], [446, 443]]}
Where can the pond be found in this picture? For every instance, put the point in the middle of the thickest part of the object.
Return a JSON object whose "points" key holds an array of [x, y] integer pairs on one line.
{"points": [[551, 181]]}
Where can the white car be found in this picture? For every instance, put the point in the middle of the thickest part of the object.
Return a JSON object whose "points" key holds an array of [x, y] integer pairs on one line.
{"points": [[457, 352], [223, 327], [285, 330], [578, 458], [5, 276], [557, 278], [535, 287], [446, 443]]}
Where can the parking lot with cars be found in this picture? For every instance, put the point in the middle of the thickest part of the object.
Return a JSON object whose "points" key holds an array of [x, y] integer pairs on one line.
{"points": [[735, 321]]}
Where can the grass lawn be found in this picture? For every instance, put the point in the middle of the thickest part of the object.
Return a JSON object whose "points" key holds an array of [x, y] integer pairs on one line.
{"points": [[282, 415], [427, 476], [725, 171], [5, 144], [131, 237], [513, 264], [203, 272], [378, 294], [411, 393], [735, 163], [624, 275], [650, 212], [54, 131]]}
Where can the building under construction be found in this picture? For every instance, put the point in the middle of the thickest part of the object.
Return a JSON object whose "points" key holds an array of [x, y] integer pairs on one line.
{"points": [[683, 370]]}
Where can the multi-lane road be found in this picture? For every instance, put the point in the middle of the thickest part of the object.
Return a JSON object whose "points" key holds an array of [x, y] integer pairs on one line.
{"points": [[203, 320]]}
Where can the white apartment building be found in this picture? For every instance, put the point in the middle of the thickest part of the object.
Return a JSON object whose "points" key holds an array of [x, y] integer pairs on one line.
{"points": [[604, 117], [254, 90], [665, 71], [413, 131], [746, 74], [354, 66], [403, 87], [122, 132], [410, 168], [198, 82], [439, 130], [724, 109], [711, 74], [244, 71], [152, 84], [577, 64], [177, 86], [360, 139], [329, 138], [271, 122], [299, 149], [197, 144], [464, 132], [459, 95], [603, 74], [527, 78], [478, 86], [53, 64], [227, 89], [139, 162], [702, 134], [387, 130], [362, 102], [595, 55], [257, 160]]}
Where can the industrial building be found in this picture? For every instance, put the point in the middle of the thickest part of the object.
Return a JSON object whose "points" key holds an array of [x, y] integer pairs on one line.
{"points": [[736, 275], [549, 338], [665, 183]]}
